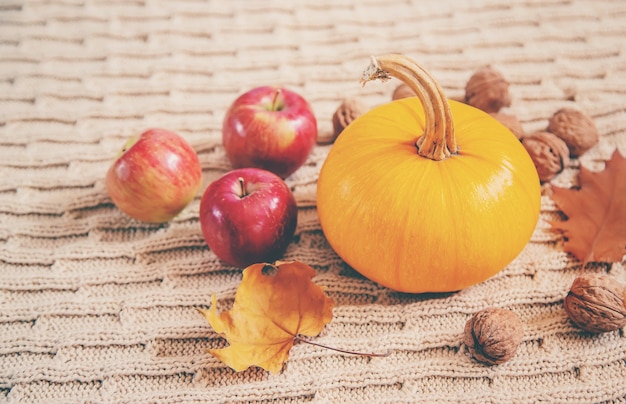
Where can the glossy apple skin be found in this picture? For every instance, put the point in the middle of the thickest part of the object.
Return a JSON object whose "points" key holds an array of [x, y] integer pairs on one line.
{"points": [[253, 224], [155, 176], [271, 128]]}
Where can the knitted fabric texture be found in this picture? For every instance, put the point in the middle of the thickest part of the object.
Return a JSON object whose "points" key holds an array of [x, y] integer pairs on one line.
{"points": [[97, 307]]}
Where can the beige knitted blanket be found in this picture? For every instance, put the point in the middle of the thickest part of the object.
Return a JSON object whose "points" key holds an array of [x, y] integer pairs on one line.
{"points": [[96, 307]]}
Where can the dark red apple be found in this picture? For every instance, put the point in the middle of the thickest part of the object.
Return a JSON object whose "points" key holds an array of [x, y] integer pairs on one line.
{"points": [[248, 216], [270, 128], [155, 176]]}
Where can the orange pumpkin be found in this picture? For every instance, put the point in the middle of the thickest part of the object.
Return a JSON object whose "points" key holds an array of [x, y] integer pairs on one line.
{"points": [[426, 194]]}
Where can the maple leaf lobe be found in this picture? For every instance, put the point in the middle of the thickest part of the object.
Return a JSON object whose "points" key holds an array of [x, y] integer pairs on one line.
{"points": [[595, 229]]}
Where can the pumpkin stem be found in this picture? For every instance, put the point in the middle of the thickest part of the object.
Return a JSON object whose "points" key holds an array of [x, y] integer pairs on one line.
{"points": [[438, 140]]}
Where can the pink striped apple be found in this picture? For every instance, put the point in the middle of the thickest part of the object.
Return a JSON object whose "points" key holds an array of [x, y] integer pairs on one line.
{"points": [[155, 176]]}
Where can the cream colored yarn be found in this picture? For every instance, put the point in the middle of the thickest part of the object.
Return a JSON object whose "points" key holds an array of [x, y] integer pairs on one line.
{"points": [[99, 308]]}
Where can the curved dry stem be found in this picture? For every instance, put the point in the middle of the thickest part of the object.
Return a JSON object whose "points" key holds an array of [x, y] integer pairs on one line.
{"points": [[344, 351], [438, 140]]}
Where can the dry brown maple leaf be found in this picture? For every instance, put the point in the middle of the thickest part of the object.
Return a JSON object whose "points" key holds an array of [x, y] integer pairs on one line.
{"points": [[269, 312], [595, 229]]}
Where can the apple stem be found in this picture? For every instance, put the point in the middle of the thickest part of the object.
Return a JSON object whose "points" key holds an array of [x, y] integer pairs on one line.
{"points": [[275, 100], [242, 188], [368, 354]]}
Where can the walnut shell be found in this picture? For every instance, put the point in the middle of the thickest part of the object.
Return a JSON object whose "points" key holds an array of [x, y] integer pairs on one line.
{"points": [[596, 303], [511, 122], [548, 152], [488, 90], [402, 91], [493, 335], [348, 111], [576, 128]]}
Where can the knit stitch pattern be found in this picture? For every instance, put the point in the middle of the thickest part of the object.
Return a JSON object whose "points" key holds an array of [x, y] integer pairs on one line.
{"points": [[96, 307]]}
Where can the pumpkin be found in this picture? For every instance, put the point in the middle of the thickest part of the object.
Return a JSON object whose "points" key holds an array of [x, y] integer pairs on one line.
{"points": [[425, 194]]}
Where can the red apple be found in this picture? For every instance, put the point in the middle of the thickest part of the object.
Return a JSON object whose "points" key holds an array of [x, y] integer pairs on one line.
{"points": [[270, 128], [155, 176], [248, 216]]}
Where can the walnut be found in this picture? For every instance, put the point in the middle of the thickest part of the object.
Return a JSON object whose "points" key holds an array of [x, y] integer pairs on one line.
{"points": [[511, 122], [548, 152], [493, 334], [348, 111], [575, 128], [402, 91], [596, 303], [488, 90]]}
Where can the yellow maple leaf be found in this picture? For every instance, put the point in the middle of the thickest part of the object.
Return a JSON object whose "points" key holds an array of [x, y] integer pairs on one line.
{"points": [[269, 312]]}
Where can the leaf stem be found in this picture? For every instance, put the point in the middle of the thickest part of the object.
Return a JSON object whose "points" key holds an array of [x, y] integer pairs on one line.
{"points": [[368, 354]]}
